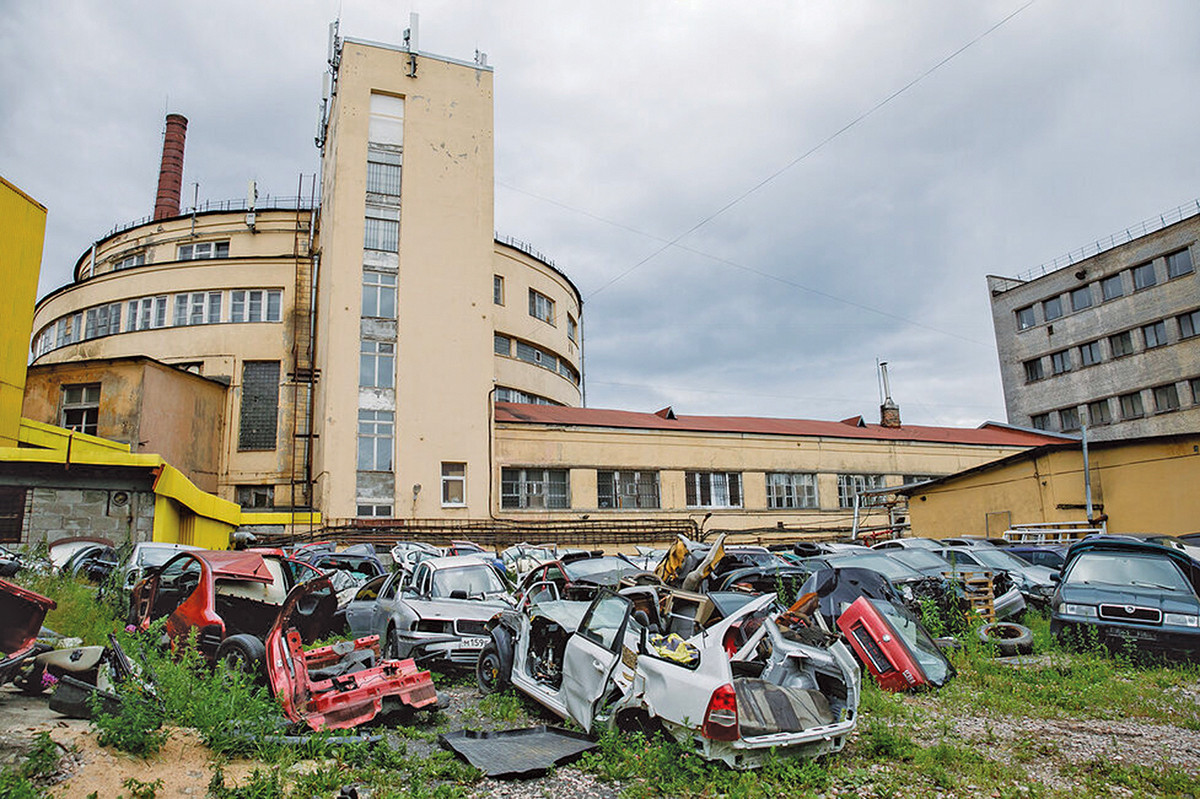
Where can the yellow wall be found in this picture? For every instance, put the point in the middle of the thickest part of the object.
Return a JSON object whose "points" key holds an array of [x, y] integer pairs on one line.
{"points": [[585, 450], [1143, 485], [22, 229]]}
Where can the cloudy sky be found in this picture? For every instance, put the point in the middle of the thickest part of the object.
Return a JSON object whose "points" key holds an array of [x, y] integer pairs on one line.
{"points": [[757, 200]]}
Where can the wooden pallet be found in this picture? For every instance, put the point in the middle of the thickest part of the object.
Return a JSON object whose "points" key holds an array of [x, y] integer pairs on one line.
{"points": [[979, 592]]}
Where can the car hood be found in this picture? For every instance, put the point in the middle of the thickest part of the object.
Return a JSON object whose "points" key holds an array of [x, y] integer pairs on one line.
{"points": [[1166, 601], [21, 615], [474, 609]]}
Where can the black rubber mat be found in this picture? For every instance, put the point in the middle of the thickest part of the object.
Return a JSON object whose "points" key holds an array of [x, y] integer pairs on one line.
{"points": [[510, 754]]}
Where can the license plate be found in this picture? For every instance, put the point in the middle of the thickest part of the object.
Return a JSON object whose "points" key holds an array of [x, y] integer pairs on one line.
{"points": [[474, 643]]}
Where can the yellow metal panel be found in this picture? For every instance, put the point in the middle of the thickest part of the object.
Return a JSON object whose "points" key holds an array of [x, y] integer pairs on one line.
{"points": [[22, 230]]}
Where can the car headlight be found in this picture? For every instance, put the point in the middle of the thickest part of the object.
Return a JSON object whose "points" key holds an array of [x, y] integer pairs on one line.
{"points": [[1088, 611], [1045, 590], [1181, 619]]}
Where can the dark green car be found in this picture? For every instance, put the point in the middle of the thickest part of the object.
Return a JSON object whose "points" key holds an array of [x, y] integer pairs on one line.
{"points": [[1129, 595]]}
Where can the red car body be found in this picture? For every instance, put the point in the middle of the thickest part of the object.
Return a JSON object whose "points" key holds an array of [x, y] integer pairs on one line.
{"points": [[893, 646], [341, 685], [21, 615]]}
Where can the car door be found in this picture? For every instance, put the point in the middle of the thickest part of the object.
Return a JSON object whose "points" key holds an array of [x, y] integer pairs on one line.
{"points": [[385, 604], [592, 654], [360, 611]]}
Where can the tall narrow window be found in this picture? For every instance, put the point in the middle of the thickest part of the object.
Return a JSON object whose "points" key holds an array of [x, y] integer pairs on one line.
{"points": [[377, 364], [541, 306], [260, 405], [1189, 324], [379, 294], [1099, 412], [375, 430], [81, 408], [454, 484], [497, 289], [572, 329], [381, 229], [12, 513]]}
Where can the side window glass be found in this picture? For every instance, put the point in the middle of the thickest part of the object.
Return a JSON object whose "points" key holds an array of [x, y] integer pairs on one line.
{"points": [[370, 590], [605, 620]]}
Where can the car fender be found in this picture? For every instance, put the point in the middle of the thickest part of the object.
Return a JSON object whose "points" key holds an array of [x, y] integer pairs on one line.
{"points": [[503, 640]]}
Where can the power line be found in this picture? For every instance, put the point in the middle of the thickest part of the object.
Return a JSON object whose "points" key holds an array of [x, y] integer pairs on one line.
{"points": [[852, 123]]}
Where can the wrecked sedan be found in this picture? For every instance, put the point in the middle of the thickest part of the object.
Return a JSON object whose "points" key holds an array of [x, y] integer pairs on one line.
{"points": [[735, 689], [439, 614], [580, 575], [230, 599]]}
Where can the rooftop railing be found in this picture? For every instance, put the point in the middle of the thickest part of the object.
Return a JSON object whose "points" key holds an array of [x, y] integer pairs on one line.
{"points": [[264, 203], [525, 247]]}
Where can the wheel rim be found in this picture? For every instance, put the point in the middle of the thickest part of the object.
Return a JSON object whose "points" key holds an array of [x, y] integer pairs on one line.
{"points": [[489, 670]]}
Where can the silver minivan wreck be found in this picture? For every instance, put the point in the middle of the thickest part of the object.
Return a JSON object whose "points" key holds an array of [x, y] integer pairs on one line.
{"points": [[730, 679]]}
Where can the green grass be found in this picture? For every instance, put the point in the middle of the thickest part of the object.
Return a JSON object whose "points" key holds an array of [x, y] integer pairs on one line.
{"points": [[79, 614]]}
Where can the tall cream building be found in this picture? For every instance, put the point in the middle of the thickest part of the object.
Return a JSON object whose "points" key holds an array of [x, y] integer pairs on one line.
{"points": [[372, 349]]}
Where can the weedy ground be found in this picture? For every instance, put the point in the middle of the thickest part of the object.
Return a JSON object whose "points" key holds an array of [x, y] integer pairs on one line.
{"points": [[1058, 724]]}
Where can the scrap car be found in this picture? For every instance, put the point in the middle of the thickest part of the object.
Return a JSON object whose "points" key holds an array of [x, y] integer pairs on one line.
{"points": [[440, 613], [733, 687]]}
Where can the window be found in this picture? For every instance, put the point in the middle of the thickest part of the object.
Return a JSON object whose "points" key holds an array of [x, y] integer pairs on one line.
{"points": [[12, 513], [1179, 264], [383, 171], [1143, 276], [714, 489], [850, 485], [1060, 361], [626, 489], [1121, 344], [1068, 419], [381, 229], [1131, 405], [454, 484], [1089, 354], [534, 488], [1111, 288], [1195, 385], [791, 490], [572, 329], [257, 305], [1081, 298], [513, 395], [103, 320], [541, 306], [203, 250], [1189, 324], [1099, 412], [68, 330], [1034, 371], [377, 511], [1025, 318], [146, 313], [198, 308], [256, 496], [130, 261], [260, 406], [1040, 421], [1155, 334], [379, 294], [1166, 398], [502, 344], [1052, 308], [497, 289], [375, 440], [377, 364], [81, 408]]}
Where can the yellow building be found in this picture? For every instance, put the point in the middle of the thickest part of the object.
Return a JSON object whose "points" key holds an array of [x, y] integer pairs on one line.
{"points": [[1138, 485], [395, 364], [22, 230]]}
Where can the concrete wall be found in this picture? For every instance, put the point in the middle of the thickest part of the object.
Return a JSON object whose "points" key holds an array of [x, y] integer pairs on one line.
{"points": [[116, 514], [22, 227], [1176, 363], [1140, 485]]}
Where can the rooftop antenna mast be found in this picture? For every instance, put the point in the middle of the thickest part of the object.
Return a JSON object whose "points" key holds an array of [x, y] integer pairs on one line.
{"points": [[410, 42]]}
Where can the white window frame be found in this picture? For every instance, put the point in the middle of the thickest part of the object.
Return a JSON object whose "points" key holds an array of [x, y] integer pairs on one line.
{"points": [[541, 306], [722, 489], [376, 436], [203, 250], [379, 291], [792, 491], [850, 485], [87, 404], [256, 305], [377, 364], [454, 482], [147, 313], [497, 289]]}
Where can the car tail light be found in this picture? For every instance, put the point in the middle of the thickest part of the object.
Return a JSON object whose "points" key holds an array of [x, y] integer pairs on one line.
{"points": [[721, 717]]}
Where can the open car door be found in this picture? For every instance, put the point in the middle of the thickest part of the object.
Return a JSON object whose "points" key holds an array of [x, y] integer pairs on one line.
{"points": [[591, 655]]}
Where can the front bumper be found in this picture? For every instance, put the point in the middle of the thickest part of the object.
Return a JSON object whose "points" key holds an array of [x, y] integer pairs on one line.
{"points": [[1158, 639]]}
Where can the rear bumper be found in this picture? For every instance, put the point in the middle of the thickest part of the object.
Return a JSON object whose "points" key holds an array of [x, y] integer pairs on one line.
{"points": [[750, 753]]}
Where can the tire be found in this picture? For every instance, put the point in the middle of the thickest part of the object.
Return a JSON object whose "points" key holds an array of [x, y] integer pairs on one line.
{"points": [[490, 673], [243, 653], [391, 644], [1010, 639]]}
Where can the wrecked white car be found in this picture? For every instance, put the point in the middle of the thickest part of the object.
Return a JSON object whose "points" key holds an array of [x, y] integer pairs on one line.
{"points": [[730, 686]]}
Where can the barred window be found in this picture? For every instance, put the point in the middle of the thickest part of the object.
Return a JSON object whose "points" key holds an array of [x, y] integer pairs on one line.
{"points": [[627, 489], [260, 406], [791, 490], [534, 488], [851, 485], [501, 344], [714, 489], [383, 171], [381, 229]]}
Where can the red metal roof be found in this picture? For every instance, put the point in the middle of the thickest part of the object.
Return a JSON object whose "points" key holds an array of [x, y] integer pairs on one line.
{"points": [[987, 434]]}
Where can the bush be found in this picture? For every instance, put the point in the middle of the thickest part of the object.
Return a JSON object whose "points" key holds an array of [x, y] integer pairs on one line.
{"points": [[136, 727]]}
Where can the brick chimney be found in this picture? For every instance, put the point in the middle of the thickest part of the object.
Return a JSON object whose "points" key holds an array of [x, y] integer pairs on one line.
{"points": [[170, 174], [889, 411]]}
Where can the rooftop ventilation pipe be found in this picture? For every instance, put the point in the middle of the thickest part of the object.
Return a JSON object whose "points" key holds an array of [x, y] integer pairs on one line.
{"points": [[170, 174], [889, 412]]}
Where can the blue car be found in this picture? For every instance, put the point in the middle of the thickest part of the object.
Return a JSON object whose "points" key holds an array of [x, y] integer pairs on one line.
{"points": [[1129, 595]]}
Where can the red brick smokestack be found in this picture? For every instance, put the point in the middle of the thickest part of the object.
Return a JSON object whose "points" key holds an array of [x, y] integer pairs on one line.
{"points": [[170, 174]]}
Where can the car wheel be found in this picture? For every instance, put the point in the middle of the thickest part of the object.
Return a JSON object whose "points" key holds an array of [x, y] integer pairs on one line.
{"points": [[391, 644], [1008, 638], [243, 653], [489, 670]]}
